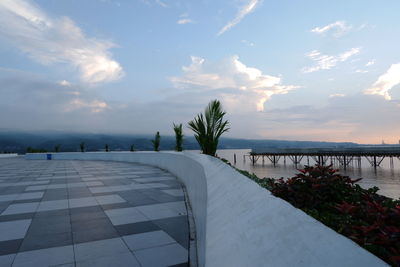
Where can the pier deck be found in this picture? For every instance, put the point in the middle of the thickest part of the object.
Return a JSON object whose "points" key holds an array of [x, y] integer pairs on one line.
{"points": [[344, 156]]}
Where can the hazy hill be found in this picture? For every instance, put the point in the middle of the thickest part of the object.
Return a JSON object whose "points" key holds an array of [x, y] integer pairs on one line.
{"points": [[12, 141]]}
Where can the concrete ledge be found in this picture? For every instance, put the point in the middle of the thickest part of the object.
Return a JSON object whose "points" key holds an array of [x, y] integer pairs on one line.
{"points": [[4, 156], [238, 223]]}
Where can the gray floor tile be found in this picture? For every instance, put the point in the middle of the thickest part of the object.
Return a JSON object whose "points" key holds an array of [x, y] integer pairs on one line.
{"points": [[109, 199], [10, 246], [162, 256], [41, 241], [177, 228]]}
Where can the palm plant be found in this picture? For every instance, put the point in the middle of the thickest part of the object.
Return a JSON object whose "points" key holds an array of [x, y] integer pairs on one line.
{"points": [[132, 148], [57, 148], [82, 146], [156, 142], [209, 127], [178, 136]]}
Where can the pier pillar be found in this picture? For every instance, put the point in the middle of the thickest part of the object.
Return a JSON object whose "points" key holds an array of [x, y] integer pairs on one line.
{"points": [[344, 162]]}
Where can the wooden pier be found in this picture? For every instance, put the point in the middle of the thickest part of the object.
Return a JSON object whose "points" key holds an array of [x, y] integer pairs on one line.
{"points": [[324, 156]]}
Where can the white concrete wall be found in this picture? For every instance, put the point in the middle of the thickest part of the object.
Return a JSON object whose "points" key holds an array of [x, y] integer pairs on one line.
{"points": [[3, 156], [238, 223]]}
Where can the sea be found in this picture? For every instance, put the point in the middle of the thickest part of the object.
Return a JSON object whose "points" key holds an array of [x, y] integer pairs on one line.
{"points": [[385, 177]]}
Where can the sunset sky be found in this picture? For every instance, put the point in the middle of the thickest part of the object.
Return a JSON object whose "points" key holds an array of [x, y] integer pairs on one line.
{"points": [[292, 70]]}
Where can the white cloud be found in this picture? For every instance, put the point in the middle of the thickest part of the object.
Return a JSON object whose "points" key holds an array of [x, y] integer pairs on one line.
{"points": [[247, 43], [326, 62], [359, 118], [64, 83], [370, 63], [184, 21], [161, 3], [244, 11], [386, 82], [158, 2], [250, 86], [361, 71], [337, 28], [337, 95], [57, 40], [95, 106]]}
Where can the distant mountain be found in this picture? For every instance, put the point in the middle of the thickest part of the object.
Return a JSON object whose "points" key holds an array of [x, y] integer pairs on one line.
{"points": [[12, 141]]}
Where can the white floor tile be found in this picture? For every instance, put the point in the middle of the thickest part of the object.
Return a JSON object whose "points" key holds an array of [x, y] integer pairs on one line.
{"points": [[82, 202], [125, 215], [21, 208], [163, 210], [45, 257], [120, 260], [6, 260], [11, 230], [174, 192], [26, 196], [53, 205], [101, 248], [148, 240]]}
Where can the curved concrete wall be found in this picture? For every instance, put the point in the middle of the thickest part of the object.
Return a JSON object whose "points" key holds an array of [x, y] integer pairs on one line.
{"points": [[3, 156], [238, 223]]}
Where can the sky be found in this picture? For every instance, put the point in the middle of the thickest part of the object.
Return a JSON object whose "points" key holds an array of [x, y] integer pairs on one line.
{"points": [[290, 70]]}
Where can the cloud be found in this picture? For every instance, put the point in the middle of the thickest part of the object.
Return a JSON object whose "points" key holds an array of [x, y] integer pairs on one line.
{"points": [[94, 106], [161, 3], [184, 21], [337, 29], [337, 95], [158, 2], [237, 83], [356, 118], [386, 82], [326, 62], [370, 63], [243, 12], [57, 40], [44, 106], [362, 71], [247, 43]]}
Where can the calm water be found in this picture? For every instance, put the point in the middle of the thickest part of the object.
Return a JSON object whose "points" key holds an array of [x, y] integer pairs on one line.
{"points": [[384, 177]]}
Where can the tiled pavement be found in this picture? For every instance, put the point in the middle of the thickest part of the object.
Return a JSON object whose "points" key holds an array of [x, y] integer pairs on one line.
{"points": [[87, 213]]}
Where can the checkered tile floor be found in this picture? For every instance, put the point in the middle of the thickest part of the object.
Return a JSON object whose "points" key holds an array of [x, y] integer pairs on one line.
{"points": [[90, 213]]}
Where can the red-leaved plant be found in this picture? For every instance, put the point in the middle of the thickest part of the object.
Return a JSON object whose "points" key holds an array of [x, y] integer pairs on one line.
{"points": [[369, 219]]}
